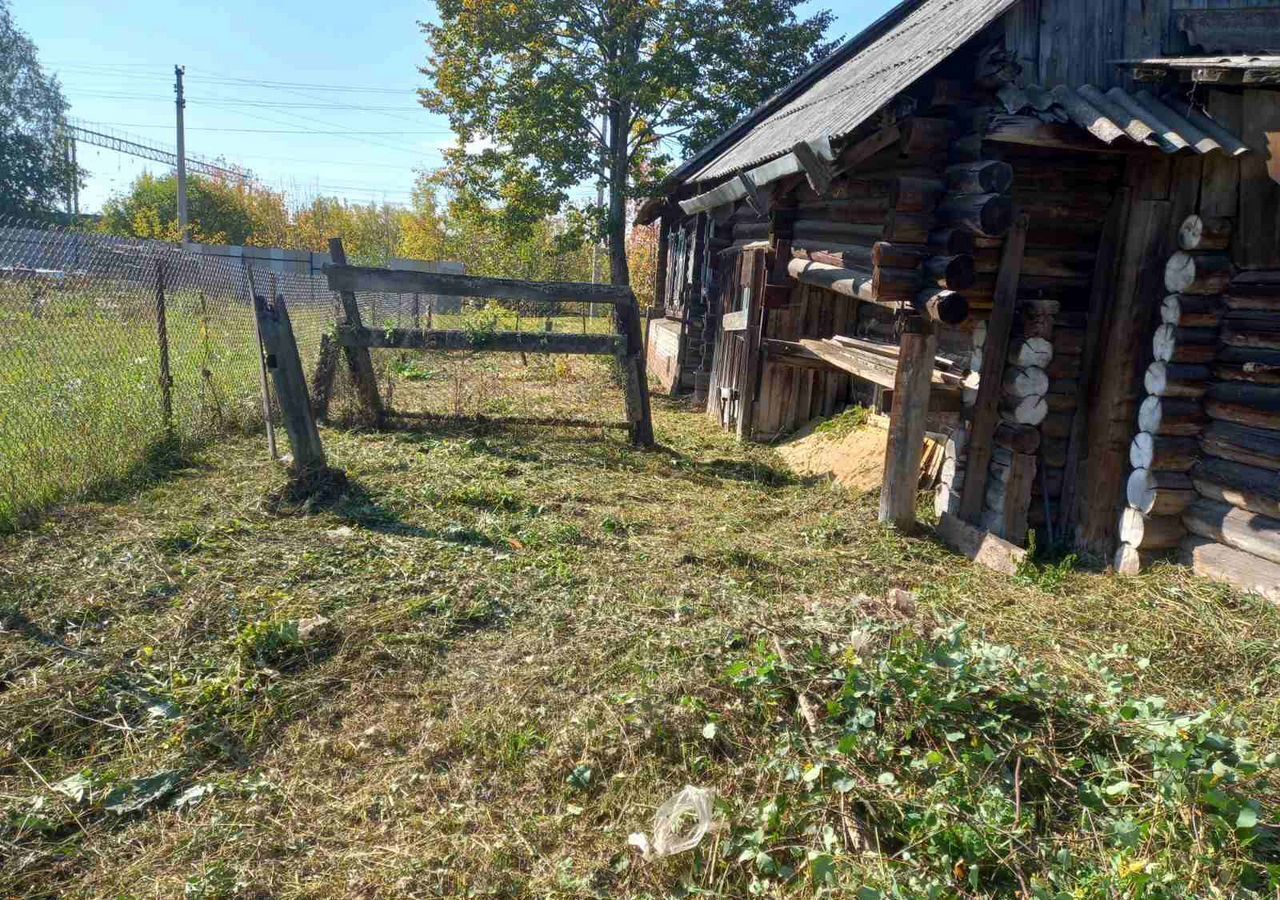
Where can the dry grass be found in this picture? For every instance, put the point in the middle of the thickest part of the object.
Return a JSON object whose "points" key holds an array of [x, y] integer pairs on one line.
{"points": [[505, 606]]}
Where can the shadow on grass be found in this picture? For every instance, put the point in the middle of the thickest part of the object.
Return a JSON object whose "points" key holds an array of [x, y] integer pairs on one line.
{"points": [[159, 460], [336, 493]]}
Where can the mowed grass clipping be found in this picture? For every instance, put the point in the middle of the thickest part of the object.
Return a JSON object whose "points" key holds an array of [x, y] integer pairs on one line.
{"points": [[481, 665]]}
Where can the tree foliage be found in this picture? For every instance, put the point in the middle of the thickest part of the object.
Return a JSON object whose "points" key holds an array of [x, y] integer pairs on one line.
{"points": [[221, 211], [558, 92], [446, 221], [35, 174]]}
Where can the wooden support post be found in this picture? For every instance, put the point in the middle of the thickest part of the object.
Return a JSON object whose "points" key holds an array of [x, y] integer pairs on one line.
{"points": [[272, 451], [285, 365], [162, 338], [1113, 407], [358, 359], [1101, 291], [986, 412], [322, 383], [912, 384], [753, 303], [635, 380]]}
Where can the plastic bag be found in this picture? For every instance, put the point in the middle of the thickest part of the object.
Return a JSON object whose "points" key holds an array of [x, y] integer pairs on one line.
{"points": [[680, 824]]}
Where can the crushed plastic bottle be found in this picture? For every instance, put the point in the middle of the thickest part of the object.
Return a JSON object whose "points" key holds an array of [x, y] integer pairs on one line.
{"points": [[680, 824]]}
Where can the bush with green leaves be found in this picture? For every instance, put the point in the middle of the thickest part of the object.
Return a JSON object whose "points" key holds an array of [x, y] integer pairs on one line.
{"points": [[943, 766]]}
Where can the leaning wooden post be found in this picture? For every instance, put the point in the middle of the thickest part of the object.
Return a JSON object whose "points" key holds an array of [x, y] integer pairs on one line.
{"points": [[911, 388], [635, 381], [162, 336], [358, 359], [285, 365], [986, 411]]}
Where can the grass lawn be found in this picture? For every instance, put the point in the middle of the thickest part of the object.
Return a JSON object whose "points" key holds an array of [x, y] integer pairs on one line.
{"points": [[480, 665]]}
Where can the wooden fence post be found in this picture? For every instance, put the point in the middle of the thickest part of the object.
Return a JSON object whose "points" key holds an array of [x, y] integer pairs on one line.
{"points": [[322, 384], [262, 369], [911, 387], [291, 386], [358, 359], [635, 381], [162, 337]]}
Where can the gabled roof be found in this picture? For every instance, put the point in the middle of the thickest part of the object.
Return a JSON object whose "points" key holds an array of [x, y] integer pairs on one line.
{"points": [[788, 93], [831, 100]]}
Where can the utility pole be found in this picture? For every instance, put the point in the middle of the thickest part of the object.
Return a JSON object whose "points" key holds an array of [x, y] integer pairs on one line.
{"points": [[180, 102]]}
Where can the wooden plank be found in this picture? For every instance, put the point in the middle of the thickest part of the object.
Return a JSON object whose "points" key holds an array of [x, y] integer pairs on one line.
{"points": [[359, 363], [1017, 497], [480, 342], [291, 386], [363, 278], [1148, 237], [322, 382], [1221, 177], [906, 423], [1253, 533], [1257, 244], [1248, 573], [753, 266], [986, 412], [1029, 131], [980, 546]]}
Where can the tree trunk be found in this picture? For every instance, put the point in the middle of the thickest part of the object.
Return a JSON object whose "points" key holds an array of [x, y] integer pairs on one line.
{"points": [[616, 228]]}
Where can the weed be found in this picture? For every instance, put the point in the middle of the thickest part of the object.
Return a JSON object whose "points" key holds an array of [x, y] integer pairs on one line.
{"points": [[845, 423]]}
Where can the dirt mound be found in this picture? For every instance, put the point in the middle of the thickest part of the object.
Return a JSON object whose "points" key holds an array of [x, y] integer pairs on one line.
{"points": [[855, 459]]}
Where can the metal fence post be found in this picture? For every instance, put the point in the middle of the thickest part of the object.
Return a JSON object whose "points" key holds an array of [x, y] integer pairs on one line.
{"points": [[162, 336]]}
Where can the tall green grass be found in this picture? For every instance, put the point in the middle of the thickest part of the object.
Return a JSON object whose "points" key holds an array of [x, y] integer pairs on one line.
{"points": [[80, 387]]}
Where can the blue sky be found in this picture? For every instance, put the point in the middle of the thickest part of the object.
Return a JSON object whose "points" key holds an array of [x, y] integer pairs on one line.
{"points": [[259, 79]]}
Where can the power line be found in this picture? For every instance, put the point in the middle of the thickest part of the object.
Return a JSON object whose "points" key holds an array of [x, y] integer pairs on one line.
{"points": [[272, 130], [220, 79]]}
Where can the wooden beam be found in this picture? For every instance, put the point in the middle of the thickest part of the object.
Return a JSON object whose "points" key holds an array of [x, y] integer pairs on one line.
{"points": [[751, 338], [635, 380], [905, 446], [359, 362], [361, 278], [1031, 132], [285, 366], [1244, 571], [980, 546], [1111, 425], [986, 412], [817, 168], [948, 307], [481, 342], [868, 147]]}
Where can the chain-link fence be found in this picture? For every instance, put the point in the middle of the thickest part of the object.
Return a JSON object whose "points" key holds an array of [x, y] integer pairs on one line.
{"points": [[115, 351], [477, 382]]}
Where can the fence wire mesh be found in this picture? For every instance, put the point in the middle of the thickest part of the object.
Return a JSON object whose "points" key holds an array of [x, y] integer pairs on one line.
{"points": [[477, 383], [88, 322], [87, 325]]}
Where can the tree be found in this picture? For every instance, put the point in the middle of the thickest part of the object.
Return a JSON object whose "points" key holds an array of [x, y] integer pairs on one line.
{"points": [[222, 211], [35, 172], [559, 92]]}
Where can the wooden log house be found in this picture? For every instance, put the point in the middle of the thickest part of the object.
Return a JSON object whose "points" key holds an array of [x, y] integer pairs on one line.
{"points": [[1047, 228]]}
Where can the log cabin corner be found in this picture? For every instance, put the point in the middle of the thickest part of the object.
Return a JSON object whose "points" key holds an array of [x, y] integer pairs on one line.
{"points": [[1047, 228]]}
